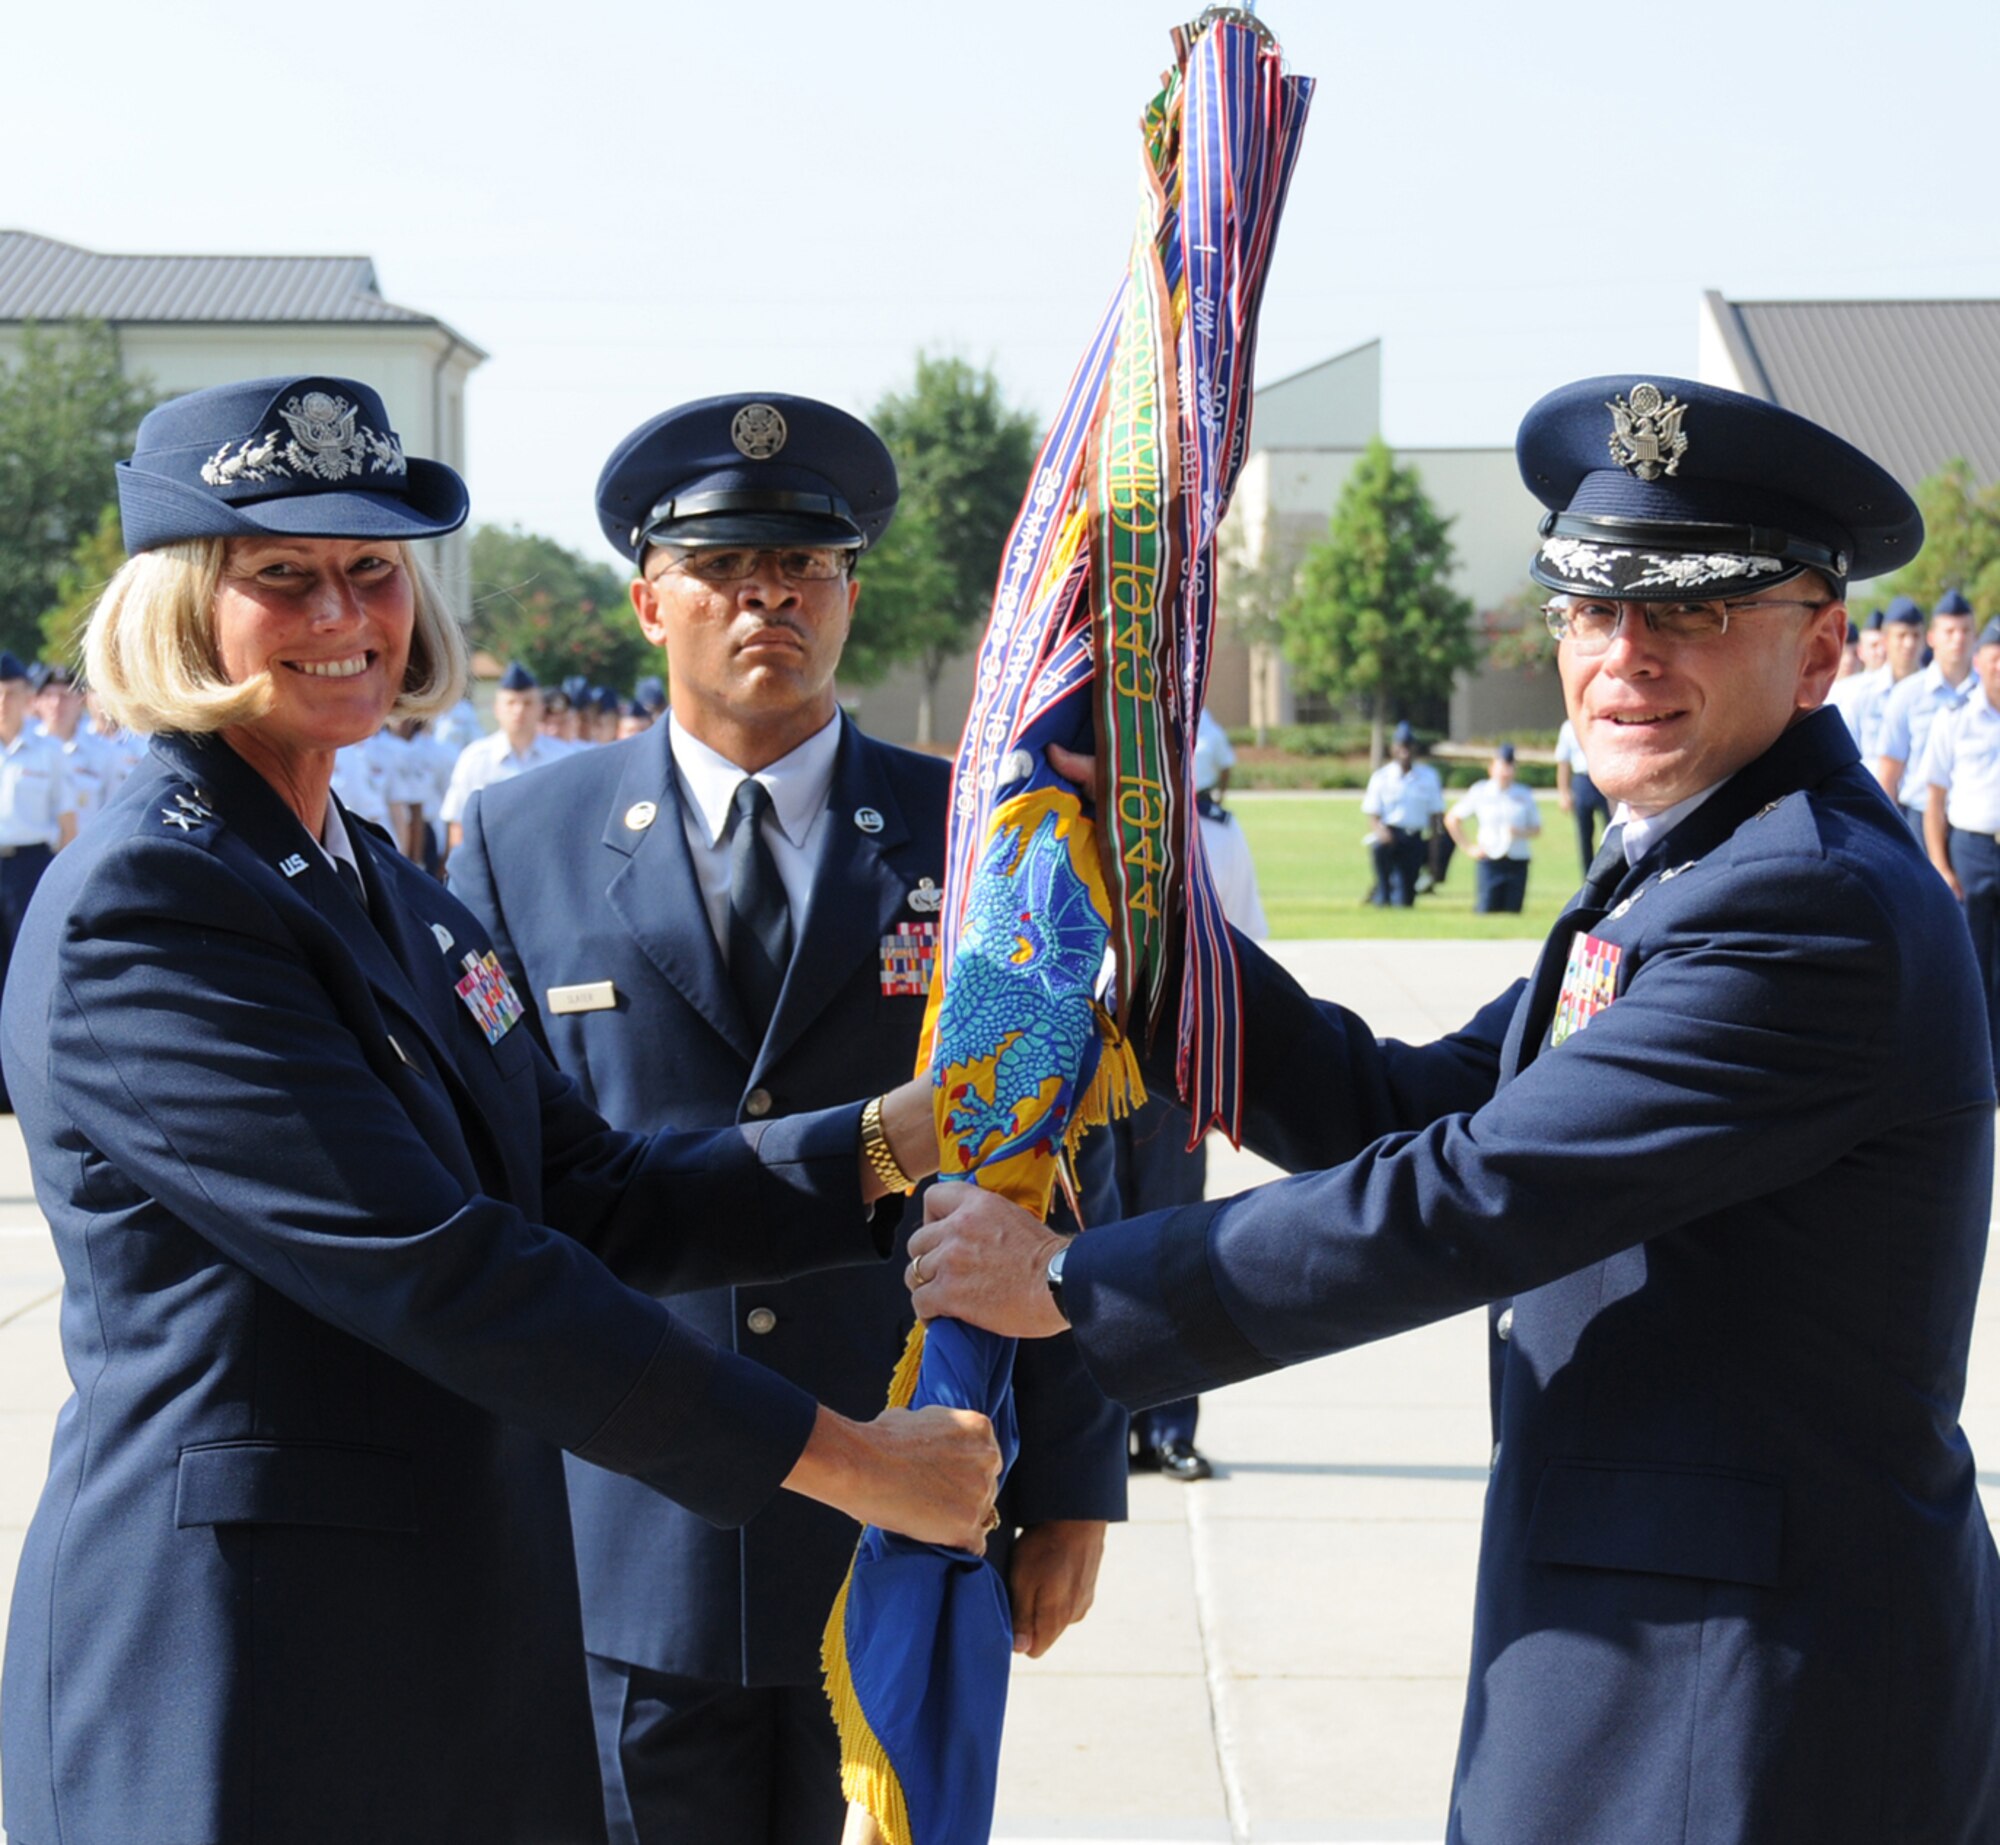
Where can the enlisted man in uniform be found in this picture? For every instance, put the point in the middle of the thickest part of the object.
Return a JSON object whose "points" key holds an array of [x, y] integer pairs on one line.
{"points": [[719, 921], [1403, 802], [1962, 819], [518, 745], [37, 808], [1508, 818], [1898, 632], [1909, 711], [1735, 1582], [1577, 795], [94, 765]]}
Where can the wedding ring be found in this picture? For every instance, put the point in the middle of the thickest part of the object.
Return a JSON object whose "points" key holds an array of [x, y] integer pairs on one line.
{"points": [[917, 1275]]}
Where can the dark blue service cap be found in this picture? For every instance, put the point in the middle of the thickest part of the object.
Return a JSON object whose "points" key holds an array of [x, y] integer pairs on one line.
{"points": [[1660, 488], [303, 457], [11, 667], [1853, 635], [651, 693], [517, 678], [762, 469], [576, 688], [1404, 734], [1952, 603], [1904, 612], [1505, 752], [1874, 620], [1989, 636]]}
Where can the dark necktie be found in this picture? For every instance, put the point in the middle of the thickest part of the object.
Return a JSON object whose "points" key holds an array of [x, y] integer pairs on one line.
{"points": [[1605, 871], [352, 880], [760, 922]]}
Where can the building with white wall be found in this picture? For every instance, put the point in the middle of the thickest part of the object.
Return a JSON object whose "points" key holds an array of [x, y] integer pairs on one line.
{"points": [[187, 321]]}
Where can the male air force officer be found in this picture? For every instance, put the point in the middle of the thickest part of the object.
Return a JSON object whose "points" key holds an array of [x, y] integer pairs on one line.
{"points": [[721, 920], [1729, 1149]]}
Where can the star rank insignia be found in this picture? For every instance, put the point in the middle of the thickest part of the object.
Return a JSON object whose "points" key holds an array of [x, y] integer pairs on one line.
{"points": [[173, 816]]}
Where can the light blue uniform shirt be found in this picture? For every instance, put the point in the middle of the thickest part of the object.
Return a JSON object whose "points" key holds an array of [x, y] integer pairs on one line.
{"points": [[1859, 698], [1406, 801], [1907, 717], [1963, 758], [34, 791]]}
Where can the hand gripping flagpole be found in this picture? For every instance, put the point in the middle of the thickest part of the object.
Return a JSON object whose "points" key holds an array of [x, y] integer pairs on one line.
{"points": [[1099, 640]]}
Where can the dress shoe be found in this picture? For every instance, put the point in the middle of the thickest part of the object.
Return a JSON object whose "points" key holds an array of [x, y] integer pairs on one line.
{"points": [[1181, 1460]]}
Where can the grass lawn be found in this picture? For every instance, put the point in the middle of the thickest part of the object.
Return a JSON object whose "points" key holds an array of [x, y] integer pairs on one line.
{"points": [[1314, 874]]}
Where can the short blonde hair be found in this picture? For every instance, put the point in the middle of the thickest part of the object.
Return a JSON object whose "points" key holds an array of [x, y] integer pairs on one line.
{"points": [[149, 651]]}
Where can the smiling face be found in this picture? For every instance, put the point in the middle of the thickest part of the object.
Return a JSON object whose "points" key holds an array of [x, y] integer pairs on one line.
{"points": [[1660, 718], [329, 620], [750, 662]]}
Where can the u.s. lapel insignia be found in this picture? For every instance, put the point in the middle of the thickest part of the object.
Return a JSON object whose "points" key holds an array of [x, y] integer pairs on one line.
{"points": [[489, 995], [926, 899], [1589, 984], [640, 815], [1647, 440], [443, 937], [909, 958], [867, 819], [292, 866]]}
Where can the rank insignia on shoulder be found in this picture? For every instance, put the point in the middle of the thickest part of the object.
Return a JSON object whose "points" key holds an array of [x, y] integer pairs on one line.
{"points": [[1589, 984], [173, 816], [909, 958], [195, 805], [292, 866], [926, 899], [489, 995]]}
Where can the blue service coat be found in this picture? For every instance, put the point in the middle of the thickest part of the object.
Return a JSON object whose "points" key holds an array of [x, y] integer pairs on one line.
{"points": [[574, 894], [1735, 1582], [302, 1567]]}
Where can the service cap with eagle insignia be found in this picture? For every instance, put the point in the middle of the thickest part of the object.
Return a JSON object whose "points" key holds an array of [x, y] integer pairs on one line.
{"points": [[302, 457], [758, 469], [1661, 489]]}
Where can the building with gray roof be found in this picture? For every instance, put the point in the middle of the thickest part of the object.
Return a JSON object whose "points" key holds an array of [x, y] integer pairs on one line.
{"points": [[188, 321]]}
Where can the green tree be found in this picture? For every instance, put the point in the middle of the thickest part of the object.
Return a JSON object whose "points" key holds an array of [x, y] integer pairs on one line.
{"points": [[1517, 638], [1961, 545], [93, 561], [555, 611], [1374, 619], [67, 414], [963, 457]]}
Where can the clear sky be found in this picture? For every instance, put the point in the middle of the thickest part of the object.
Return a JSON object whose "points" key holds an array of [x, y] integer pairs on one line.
{"points": [[633, 204]]}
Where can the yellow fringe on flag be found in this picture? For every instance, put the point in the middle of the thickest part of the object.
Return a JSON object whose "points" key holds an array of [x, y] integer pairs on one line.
{"points": [[866, 1775]]}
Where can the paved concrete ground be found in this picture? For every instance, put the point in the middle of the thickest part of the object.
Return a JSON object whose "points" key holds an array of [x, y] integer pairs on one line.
{"points": [[1276, 1655]]}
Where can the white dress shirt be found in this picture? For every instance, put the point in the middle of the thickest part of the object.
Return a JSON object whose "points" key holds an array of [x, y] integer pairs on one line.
{"points": [[799, 785]]}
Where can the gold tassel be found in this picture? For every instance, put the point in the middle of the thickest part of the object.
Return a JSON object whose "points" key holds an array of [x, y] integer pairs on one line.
{"points": [[877, 1814]]}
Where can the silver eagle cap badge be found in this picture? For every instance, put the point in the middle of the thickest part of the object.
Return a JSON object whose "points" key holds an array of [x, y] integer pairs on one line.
{"points": [[758, 431], [1647, 440]]}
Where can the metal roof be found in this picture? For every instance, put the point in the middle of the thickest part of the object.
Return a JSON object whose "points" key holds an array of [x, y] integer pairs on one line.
{"points": [[1913, 383], [41, 279]]}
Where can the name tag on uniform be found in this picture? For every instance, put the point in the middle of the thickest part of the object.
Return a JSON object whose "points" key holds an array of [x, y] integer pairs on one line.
{"points": [[593, 996], [489, 996], [1590, 983], [909, 958]]}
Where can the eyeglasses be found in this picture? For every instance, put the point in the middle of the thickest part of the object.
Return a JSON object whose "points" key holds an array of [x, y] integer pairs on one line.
{"points": [[1591, 627], [819, 564]]}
